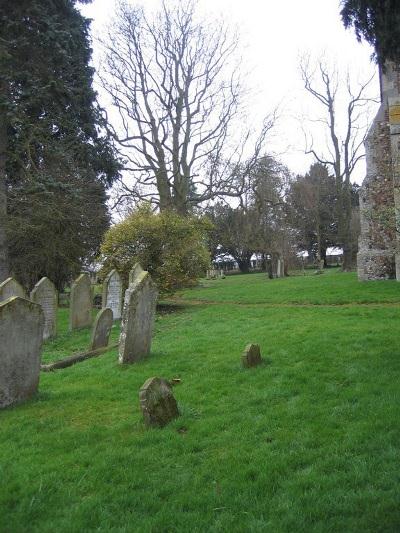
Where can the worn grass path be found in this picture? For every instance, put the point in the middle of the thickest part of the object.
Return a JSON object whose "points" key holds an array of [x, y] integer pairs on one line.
{"points": [[309, 441]]}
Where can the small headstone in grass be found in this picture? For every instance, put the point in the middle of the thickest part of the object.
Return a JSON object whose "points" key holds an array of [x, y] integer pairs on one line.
{"points": [[44, 294], [112, 293], [80, 310], [101, 329], [10, 287], [21, 334], [157, 402], [138, 319], [251, 356]]}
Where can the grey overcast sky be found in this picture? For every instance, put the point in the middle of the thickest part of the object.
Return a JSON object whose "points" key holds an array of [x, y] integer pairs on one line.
{"points": [[273, 34]]}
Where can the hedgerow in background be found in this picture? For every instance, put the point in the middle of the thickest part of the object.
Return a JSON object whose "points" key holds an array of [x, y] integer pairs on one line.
{"points": [[171, 247]]}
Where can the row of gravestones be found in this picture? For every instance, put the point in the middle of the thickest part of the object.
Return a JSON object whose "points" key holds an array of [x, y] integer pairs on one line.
{"points": [[22, 325]]}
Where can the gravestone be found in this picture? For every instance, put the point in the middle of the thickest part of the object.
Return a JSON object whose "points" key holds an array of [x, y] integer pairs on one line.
{"points": [[112, 293], [21, 334], [251, 356], [157, 402], [11, 287], [101, 329], [137, 319], [44, 294], [80, 309], [135, 272]]}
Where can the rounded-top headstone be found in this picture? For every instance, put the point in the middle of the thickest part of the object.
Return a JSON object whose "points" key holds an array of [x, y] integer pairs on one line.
{"points": [[44, 294], [21, 334], [157, 402], [251, 356], [112, 293], [10, 287], [138, 319], [101, 329], [80, 315]]}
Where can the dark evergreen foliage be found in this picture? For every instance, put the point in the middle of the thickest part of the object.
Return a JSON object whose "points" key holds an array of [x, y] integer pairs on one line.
{"points": [[378, 22], [57, 162]]}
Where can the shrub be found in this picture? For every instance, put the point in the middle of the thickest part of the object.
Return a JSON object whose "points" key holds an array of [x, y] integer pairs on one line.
{"points": [[171, 247]]}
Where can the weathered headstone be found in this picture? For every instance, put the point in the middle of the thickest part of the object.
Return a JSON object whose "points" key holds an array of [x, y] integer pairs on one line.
{"points": [[157, 402], [101, 329], [112, 293], [21, 334], [80, 310], [44, 294], [251, 356], [137, 319], [135, 272], [10, 287]]}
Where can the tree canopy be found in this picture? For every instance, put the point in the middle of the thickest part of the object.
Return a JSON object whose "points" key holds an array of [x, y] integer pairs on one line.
{"points": [[378, 22], [50, 135]]}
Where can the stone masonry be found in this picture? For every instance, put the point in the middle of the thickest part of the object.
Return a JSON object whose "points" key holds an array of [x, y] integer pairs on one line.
{"points": [[379, 248]]}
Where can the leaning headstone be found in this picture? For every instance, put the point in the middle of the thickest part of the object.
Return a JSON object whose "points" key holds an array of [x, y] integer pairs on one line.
{"points": [[135, 272], [251, 356], [10, 287], [44, 294], [157, 402], [80, 309], [101, 329], [112, 293], [137, 319], [21, 334]]}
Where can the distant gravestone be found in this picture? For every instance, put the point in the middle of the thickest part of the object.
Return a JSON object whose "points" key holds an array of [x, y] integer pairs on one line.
{"points": [[80, 309], [251, 356], [135, 272], [137, 319], [21, 334], [10, 287], [157, 402], [101, 329], [112, 293], [44, 294]]}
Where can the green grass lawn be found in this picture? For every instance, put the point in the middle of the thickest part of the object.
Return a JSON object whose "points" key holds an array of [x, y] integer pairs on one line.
{"points": [[309, 441]]}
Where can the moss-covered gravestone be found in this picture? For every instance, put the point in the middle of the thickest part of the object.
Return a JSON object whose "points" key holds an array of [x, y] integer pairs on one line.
{"points": [[157, 402], [138, 319], [80, 308], [21, 334], [10, 287], [101, 329], [251, 356], [44, 294], [112, 294]]}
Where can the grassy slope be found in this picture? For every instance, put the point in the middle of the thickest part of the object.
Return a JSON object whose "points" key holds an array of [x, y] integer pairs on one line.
{"points": [[309, 441]]}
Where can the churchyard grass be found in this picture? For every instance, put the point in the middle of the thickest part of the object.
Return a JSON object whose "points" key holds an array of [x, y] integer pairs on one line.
{"points": [[307, 441]]}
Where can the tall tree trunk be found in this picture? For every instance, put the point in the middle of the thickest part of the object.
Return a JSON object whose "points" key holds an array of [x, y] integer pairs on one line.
{"points": [[345, 233], [4, 264]]}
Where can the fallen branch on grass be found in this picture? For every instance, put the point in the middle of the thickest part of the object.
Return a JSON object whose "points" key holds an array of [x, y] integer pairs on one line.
{"points": [[75, 358]]}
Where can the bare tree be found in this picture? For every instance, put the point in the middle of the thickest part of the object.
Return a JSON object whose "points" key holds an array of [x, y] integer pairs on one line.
{"points": [[345, 134], [175, 91]]}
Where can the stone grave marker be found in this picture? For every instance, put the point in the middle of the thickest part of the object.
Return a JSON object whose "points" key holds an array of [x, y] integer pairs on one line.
{"points": [[11, 287], [21, 334], [44, 294], [112, 294], [138, 319], [101, 329], [80, 309], [251, 356], [135, 272], [157, 402]]}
